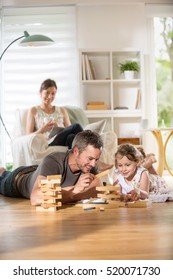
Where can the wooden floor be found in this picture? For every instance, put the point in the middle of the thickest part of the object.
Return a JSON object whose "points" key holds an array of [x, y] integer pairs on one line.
{"points": [[72, 233]]}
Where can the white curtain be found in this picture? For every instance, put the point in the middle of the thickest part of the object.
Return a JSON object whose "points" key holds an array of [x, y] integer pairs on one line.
{"points": [[24, 69]]}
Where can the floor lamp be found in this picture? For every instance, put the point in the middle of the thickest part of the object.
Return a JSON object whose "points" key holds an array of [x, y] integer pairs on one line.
{"points": [[28, 41]]}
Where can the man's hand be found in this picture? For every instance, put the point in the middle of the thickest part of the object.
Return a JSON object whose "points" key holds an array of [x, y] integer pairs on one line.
{"points": [[84, 182]]}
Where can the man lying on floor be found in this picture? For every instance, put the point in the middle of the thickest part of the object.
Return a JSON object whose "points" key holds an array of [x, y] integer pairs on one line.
{"points": [[77, 167]]}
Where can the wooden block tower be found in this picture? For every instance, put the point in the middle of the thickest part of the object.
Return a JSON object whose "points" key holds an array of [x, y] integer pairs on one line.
{"points": [[50, 193], [109, 197], [111, 194]]}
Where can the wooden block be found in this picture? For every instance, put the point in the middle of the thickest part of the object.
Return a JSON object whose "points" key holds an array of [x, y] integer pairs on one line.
{"points": [[50, 209], [51, 193], [49, 185], [48, 182], [54, 177], [139, 204], [108, 196], [117, 202], [48, 205], [100, 205], [46, 197], [108, 188], [46, 188], [50, 200], [99, 175]]}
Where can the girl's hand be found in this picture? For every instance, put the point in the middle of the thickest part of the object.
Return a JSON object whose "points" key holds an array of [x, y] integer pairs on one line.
{"points": [[134, 194]]}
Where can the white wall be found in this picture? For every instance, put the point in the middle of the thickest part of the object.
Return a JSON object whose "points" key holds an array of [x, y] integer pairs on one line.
{"points": [[32, 3], [112, 26], [116, 27]]}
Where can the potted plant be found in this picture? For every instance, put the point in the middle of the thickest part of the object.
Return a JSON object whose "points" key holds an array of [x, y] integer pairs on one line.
{"points": [[129, 67]]}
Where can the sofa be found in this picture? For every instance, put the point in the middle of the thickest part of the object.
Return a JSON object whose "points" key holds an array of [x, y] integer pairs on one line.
{"points": [[29, 149]]}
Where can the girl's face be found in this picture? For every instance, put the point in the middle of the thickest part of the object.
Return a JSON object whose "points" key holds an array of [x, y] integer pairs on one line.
{"points": [[48, 95], [126, 167]]}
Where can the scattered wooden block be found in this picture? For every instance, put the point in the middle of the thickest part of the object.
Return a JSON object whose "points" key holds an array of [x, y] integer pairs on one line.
{"points": [[108, 197], [139, 204]]}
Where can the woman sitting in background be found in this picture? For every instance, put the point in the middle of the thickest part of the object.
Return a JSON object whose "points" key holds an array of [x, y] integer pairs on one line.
{"points": [[51, 120]]}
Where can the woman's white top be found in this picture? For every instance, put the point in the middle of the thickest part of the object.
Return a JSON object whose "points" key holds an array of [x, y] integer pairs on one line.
{"points": [[41, 118]]}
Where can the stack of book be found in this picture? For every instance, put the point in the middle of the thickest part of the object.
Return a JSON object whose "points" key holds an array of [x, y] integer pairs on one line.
{"points": [[88, 72]]}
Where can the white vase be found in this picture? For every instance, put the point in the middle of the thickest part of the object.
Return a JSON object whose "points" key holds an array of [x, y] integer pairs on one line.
{"points": [[129, 75]]}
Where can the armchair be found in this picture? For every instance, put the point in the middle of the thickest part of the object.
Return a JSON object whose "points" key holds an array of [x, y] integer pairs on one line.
{"points": [[32, 148]]}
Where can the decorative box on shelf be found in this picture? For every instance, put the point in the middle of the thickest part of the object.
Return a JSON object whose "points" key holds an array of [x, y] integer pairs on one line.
{"points": [[96, 105], [134, 141]]}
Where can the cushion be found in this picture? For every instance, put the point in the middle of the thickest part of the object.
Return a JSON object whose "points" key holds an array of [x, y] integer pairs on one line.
{"points": [[96, 126], [77, 115]]}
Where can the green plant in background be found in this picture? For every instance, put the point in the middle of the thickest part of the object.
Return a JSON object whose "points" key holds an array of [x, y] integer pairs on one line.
{"points": [[129, 65], [9, 166]]}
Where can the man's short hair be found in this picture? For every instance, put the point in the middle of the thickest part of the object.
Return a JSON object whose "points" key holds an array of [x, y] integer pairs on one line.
{"points": [[85, 138]]}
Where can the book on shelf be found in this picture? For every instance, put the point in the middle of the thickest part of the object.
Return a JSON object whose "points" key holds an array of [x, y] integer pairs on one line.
{"points": [[83, 68], [88, 72], [92, 70], [138, 99]]}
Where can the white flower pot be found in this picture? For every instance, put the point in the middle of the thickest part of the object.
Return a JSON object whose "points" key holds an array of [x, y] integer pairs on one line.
{"points": [[129, 75]]}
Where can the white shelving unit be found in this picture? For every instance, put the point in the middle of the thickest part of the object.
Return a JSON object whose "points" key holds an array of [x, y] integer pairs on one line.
{"points": [[102, 81]]}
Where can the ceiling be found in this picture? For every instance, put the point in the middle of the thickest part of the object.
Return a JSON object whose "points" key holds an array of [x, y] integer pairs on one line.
{"points": [[26, 3]]}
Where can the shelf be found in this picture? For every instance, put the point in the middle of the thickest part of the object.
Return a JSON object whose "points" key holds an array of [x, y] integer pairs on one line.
{"points": [[96, 82], [133, 81], [113, 113], [104, 83]]}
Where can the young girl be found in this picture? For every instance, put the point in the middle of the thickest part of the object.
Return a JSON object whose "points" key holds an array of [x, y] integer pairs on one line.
{"points": [[137, 177], [130, 175]]}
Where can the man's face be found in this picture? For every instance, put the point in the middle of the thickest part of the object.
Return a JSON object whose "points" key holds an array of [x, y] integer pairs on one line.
{"points": [[86, 160]]}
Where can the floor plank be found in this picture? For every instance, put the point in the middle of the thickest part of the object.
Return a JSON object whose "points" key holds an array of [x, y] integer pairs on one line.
{"points": [[72, 233]]}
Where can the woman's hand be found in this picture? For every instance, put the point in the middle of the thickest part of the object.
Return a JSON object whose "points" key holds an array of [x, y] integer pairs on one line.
{"points": [[47, 126]]}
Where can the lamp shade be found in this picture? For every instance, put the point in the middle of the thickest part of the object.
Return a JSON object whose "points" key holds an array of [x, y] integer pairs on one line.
{"points": [[35, 40]]}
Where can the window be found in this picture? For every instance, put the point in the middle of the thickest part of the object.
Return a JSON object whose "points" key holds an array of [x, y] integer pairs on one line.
{"points": [[160, 40], [23, 69], [163, 33]]}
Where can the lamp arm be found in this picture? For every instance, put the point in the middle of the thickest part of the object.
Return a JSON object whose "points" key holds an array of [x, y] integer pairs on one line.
{"points": [[0, 60], [10, 45], [4, 126]]}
